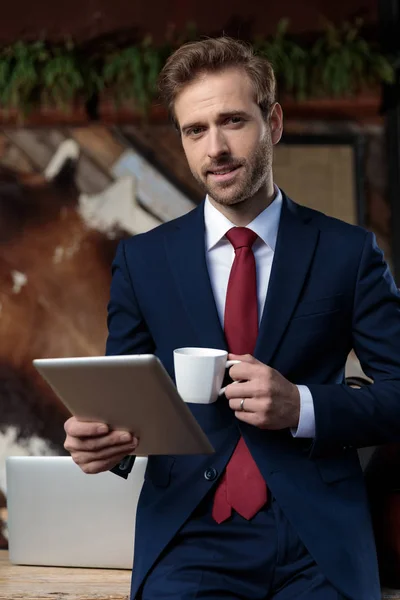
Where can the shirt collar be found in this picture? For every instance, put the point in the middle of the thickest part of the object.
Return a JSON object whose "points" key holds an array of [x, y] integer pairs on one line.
{"points": [[265, 225]]}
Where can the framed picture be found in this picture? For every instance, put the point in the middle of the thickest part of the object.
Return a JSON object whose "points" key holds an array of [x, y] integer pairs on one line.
{"points": [[324, 172]]}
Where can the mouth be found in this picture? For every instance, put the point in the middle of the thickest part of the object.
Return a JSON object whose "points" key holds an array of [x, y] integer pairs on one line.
{"points": [[223, 173]]}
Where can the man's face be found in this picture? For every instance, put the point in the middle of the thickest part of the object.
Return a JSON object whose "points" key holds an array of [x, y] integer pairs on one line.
{"points": [[226, 139]]}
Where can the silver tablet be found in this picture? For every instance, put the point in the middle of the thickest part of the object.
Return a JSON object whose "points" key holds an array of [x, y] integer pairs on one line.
{"points": [[131, 392]]}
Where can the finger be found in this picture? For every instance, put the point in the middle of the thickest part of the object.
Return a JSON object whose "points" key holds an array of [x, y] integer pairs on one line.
{"points": [[105, 455], [83, 458], [222, 391], [246, 358], [249, 405], [115, 439], [244, 371], [250, 418], [239, 390], [77, 428]]}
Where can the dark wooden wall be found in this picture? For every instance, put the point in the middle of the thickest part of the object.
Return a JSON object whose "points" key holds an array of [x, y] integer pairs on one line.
{"points": [[85, 19]]}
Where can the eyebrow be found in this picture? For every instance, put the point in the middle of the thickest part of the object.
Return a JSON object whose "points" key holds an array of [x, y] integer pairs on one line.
{"points": [[221, 117]]}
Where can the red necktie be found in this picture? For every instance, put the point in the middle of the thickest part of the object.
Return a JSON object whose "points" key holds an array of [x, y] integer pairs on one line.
{"points": [[242, 486]]}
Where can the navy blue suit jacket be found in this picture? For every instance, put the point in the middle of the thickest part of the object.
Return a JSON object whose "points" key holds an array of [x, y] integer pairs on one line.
{"points": [[330, 291]]}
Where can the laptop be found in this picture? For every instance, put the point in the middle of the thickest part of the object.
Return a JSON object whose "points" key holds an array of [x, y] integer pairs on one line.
{"points": [[59, 516]]}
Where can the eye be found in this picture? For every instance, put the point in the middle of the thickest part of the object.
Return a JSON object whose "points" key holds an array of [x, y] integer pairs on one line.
{"points": [[194, 131], [234, 120]]}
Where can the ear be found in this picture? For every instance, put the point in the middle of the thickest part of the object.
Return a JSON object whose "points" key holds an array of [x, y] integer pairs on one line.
{"points": [[276, 123]]}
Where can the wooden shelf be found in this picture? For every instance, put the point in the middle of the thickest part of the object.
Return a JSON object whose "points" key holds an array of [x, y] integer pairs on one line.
{"points": [[46, 117], [362, 108]]}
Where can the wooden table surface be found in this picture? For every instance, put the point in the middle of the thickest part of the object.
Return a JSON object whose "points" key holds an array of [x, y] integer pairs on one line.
{"points": [[61, 583]]}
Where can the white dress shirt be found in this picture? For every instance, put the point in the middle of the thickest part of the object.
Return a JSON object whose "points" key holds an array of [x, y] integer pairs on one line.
{"points": [[220, 256]]}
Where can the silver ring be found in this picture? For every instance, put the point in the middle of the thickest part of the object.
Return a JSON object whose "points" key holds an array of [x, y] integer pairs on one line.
{"points": [[242, 404]]}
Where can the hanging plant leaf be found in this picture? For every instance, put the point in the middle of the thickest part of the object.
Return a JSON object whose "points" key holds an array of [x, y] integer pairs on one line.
{"points": [[340, 62]]}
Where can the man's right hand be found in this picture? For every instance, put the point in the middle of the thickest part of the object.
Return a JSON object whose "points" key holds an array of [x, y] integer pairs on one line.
{"points": [[95, 447]]}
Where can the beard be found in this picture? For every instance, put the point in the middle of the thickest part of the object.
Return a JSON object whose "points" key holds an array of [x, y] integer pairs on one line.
{"points": [[253, 174]]}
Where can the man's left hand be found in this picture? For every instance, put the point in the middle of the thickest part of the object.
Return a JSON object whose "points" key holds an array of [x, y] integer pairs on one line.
{"points": [[270, 400]]}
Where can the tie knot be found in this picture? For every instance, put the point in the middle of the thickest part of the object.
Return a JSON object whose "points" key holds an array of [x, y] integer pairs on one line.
{"points": [[241, 237]]}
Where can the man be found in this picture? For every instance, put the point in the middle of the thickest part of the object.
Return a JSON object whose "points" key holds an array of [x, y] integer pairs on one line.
{"points": [[280, 510]]}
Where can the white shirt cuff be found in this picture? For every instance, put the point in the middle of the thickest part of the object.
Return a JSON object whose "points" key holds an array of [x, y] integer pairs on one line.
{"points": [[306, 426]]}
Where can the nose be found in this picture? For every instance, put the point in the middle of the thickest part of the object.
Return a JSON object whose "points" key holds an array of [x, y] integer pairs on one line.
{"points": [[217, 143]]}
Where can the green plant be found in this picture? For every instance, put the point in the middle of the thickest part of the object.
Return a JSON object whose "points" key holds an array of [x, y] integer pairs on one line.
{"points": [[342, 62], [131, 74], [33, 74], [289, 59], [62, 78], [18, 74]]}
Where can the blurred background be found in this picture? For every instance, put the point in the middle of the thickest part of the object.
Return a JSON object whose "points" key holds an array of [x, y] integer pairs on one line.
{"points": [[87, 156]]}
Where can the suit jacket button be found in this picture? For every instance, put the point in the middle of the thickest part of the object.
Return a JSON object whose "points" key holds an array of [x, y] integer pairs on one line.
{"points": [[210, 474]]}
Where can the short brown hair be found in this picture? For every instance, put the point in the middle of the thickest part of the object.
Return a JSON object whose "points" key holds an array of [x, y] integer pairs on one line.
{"points": [[213, 55]]}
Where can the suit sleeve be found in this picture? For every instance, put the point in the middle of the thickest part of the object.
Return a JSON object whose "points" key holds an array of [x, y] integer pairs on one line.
{"points": [[127, 329], [353, 418]]}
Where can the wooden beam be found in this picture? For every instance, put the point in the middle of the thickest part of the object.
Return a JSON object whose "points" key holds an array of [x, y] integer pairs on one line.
{"points": [[35, 145], [12, 157], [40, 145], [156, 194], [99, 143]]}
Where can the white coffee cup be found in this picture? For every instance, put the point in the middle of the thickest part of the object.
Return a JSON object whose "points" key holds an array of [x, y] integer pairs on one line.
{"points": [[199, 373]]}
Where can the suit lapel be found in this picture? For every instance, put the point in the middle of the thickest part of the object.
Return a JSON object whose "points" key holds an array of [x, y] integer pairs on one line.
{"points": [[295, 246], [186, 252]]}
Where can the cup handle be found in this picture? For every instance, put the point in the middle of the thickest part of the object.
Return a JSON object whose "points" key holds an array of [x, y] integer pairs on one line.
{"points": [[229, 363]]}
